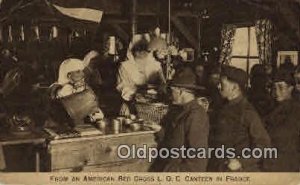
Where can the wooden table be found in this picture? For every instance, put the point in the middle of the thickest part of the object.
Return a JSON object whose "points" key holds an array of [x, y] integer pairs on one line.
{"points": [[98, 153], [35, 138]]}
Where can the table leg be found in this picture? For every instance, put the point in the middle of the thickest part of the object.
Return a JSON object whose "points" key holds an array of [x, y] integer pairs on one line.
{"points": [[37, 161]]}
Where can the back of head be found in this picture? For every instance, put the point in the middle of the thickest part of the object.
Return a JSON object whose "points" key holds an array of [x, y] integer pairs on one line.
{"points": [[285, 75], [157, 44], [236, 75], [139, 47]]}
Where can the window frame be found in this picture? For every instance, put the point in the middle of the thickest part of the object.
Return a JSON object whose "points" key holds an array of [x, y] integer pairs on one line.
{"points": [[248, 57]]}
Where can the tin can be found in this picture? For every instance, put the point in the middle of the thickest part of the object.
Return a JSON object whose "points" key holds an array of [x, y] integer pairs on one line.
{"points": [[116, 125], [140, 121]]}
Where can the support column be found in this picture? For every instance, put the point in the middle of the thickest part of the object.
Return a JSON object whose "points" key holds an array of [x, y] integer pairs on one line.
{"points": [[133, 18]]}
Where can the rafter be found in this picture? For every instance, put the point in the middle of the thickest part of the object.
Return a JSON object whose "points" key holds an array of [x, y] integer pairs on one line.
{"points": [[291, 18], [120, 31], [185, 31]]}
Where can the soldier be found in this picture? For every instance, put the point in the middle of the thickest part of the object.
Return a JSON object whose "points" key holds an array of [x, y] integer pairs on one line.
{"points": [[238, 125], [283, 126], [296, 92], [185, 125]]}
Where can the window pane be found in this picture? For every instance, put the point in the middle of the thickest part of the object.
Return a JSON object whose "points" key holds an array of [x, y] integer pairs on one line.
{"points": [[239, 63], [240, 43], [253, 43]]}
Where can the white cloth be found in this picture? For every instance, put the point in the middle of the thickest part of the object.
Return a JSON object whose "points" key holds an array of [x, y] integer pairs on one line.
{"points": [[67, 66], [133, 74], [68, 90]]}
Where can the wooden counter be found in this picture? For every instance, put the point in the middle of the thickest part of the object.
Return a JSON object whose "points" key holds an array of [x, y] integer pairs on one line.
{"points": [[97, 153], [35, 140]]}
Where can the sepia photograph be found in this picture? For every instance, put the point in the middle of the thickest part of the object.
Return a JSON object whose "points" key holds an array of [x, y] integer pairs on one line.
{"points": [[149, 92]]}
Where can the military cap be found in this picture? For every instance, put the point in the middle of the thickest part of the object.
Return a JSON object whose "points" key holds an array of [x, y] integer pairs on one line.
{"points": [[236, 75], [186, 78], [284, 75]]}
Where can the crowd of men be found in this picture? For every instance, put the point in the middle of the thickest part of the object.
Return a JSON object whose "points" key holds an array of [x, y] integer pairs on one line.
{"points": [[265, 114]]}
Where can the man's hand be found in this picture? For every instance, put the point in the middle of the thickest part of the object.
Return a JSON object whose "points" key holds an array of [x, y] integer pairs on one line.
{"points": [[35, 86], [125, 111], [154, 127], [234, 165]]}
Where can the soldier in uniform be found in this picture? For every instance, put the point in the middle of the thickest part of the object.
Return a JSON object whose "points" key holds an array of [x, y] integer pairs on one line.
{"points": [[238, 125], [186, 124], [283, 126]]}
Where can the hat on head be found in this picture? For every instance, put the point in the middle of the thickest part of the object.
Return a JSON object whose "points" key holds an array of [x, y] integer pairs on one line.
{"points": [[284, 75], [186, 78], [236, 75]]}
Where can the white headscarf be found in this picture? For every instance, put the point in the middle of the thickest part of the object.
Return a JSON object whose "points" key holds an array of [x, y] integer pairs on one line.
{"points": [[89, 56], [67, 66]]}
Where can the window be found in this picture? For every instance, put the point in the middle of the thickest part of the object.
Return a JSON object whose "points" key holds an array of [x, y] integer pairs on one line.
{"points": [[245, 49]]}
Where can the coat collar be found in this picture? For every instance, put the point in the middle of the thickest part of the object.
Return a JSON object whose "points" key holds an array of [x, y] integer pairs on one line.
{"points": [[236, 100], [185, 109]]}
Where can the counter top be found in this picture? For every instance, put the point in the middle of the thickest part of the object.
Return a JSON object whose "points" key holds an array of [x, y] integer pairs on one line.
{"points": [[40, 137], [104, 136], [15, 139]]}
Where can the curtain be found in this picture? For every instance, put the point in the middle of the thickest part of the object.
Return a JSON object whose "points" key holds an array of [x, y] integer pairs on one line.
{"points": [[264, 34], [227, 39]]}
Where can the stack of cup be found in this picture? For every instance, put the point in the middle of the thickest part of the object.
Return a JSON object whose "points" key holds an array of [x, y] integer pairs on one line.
{"points": [[116, 126]]}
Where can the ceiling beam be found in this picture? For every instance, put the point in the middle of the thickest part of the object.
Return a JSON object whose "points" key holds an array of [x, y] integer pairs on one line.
{"points": [[258, 5], [115, 21], [121, 32], [185, 31], [291, 18]]}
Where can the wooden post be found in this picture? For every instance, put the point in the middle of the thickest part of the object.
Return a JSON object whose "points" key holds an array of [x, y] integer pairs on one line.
{"points": [[169, 67], [133, 18], [1, 33], [185, 31], [199, 36]]}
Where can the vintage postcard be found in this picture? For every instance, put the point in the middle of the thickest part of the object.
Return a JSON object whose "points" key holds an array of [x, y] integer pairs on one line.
{"points": [[149, 92]]}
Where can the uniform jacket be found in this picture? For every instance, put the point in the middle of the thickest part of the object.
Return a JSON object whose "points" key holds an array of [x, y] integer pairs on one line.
{"points": [[238, 126], [184, 126], [284, 128]]}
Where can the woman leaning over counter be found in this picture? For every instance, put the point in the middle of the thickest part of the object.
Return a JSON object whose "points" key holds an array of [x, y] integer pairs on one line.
{"points": [[136, 73]]}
